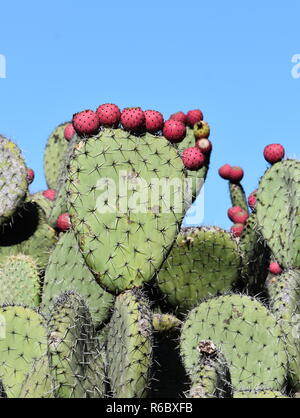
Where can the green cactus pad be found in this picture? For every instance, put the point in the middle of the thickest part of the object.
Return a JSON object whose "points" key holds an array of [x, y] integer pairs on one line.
{"points": [[284, 297], [23, 339], [255, 256], [129, 347], [72, 348], [54, 155], [13, 183], [19, 281], [67, 270], [203, 262], [125, 245], [38, 382], [247, 335], [258, 394], [95, 379], [278, 211], [238, 197], [28, 234]]}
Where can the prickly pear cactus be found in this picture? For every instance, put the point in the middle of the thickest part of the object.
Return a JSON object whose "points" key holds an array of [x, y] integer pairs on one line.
{"points": [[124, 223], [129, 346], [19, 281], [278, 212], [66, 271], [54, 155], [13, 183], [203, 262], [123, 284], [72, 348], [23, 339], [246, 334]]}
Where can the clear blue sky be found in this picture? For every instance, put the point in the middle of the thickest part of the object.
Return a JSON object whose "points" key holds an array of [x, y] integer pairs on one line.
{"points": [[230, 58]]}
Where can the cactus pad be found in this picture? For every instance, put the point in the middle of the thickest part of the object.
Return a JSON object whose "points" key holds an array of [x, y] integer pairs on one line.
{"points": [[246, 334], [238, 197], [255, 256], [67, 270], [278, 211], [124, 239], [72, 348], [13, 183], [54, 155], [23, 340], [19, 281], [203, 262], [38, 382], [129, 347]]}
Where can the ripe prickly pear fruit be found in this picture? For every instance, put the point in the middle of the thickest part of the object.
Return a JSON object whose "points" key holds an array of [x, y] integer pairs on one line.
{"points": [[274, 153], [133, 119], [275, 268], [49, 194], [238, 215], [174, 131], [69, 132], [154, 121], [224, 171], [193, 158], [63, 222], [86, 123], [179, 117], [236, 174], [109, 115], [193, 116], [237, 230]]}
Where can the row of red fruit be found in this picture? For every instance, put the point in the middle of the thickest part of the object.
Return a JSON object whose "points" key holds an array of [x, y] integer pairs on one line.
{"points": [[133, 119], [137, 121]]}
